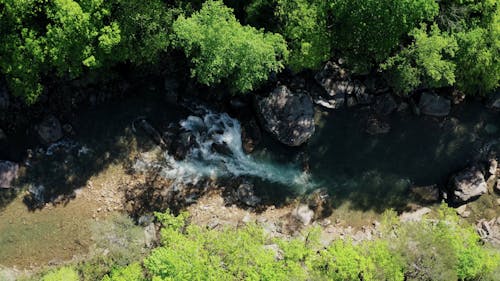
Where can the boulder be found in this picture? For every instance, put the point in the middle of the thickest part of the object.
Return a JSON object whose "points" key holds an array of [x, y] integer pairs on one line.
{"points": [[288, 117], [250, 135], [466, 185], [434, 105], [8, 173], [462, 211], [4, 96], [494, 101], [49, 130], [385, 105], [303, 214], [245, 194], [333, 79]]}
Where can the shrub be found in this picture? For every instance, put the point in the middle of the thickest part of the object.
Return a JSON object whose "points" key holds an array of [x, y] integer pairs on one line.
{"points": [[62, 274]]}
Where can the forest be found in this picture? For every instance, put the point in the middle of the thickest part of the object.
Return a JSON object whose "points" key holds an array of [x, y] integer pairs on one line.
{"points": [[344, 139]]}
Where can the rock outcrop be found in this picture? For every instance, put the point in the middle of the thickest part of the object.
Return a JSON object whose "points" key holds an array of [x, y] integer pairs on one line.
{"points": [[466, 185], [288, 117], [340, 89]]}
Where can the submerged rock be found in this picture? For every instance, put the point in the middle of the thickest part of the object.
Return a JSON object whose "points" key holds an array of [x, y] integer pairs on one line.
{"points": [[8, 173], [288, 117], [467, 185], [375, 126], [385, 105], [434, 105], [49, 130], [427, 194]]}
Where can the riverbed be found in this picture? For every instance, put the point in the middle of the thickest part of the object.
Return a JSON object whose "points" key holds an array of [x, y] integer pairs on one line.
{"points": [[361, 172]]}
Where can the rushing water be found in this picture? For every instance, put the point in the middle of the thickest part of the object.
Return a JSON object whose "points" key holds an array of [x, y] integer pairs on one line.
{"points": [[202, 160]]}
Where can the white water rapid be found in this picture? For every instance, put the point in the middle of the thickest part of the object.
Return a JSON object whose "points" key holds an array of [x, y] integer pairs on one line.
{"points": [[202, 161]]}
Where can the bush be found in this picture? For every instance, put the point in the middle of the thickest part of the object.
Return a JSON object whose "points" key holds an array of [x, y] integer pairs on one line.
{"points": [[132, 272], [220, 48], [62, 274]]}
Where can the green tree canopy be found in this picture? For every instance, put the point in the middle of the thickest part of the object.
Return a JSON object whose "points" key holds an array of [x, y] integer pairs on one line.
{"points": [[304, 25], [366, 32], [220, 48]]}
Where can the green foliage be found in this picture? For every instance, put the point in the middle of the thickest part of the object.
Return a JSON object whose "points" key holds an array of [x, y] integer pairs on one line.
{"points": [[304, 25], [345, 261], [132, 272], [117, 244], [199, 254], [62, 274], [71, 37], [478, 59], [428, 61], [146, 28], [220, 48], [443, 249], [365, 32]]}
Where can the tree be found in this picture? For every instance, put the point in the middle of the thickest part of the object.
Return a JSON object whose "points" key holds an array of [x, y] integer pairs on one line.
{"points": [[426, 62], [220, 48], [304, 25], [65, 39], [365, 32]]}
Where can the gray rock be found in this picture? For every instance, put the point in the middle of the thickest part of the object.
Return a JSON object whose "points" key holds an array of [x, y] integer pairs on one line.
{"points": [[414, 216], [494, 101], [250, 135], [245, 194], [328, 104], [333, 79], [49, 130], [466, 185], [434, 105], [462, 211], [8, 173], [303, 214], [4, 96], [493, 166], [288, 117], [385, 105], [150, 235]]}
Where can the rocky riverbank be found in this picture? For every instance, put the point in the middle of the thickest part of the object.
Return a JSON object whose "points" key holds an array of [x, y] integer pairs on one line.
{"points": [[359, 149]]}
